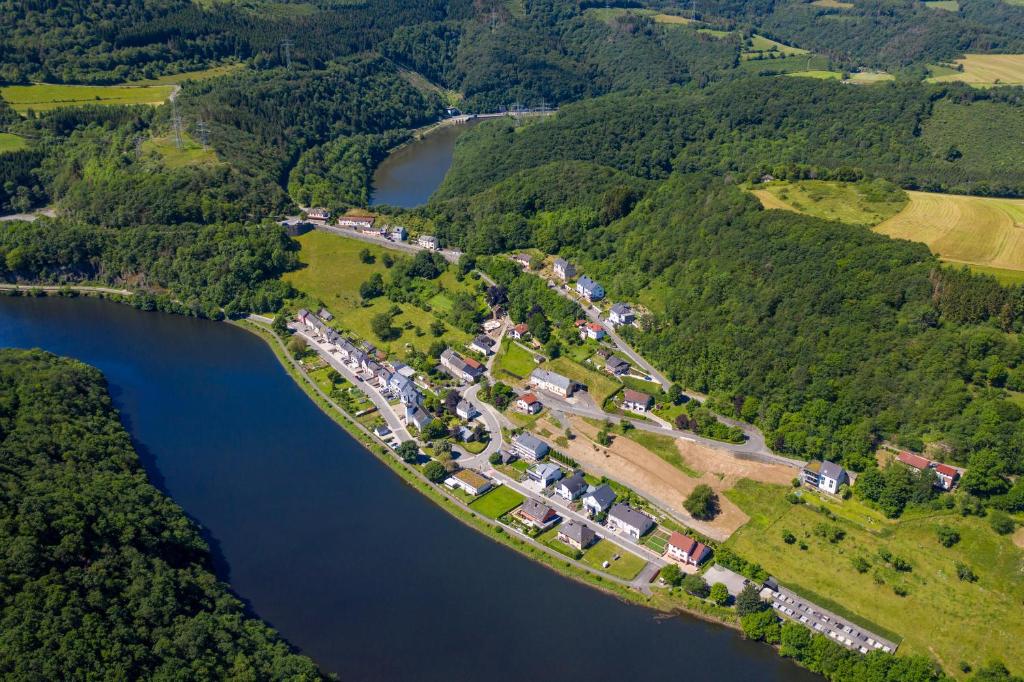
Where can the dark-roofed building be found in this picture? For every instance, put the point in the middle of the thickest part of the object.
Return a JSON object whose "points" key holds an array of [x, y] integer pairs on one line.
{"points": [[625, 519], [464, 369], [616, 365], [621, 313], [529, 447], [589, 289], [482, 344], [564, 269], [535, 514], [599, 499], [465, 410], [576, 535], [572, 487], [825, 475], [416, 416]]}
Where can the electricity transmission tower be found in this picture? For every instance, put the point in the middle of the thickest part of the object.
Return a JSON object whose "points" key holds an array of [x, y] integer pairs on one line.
{"points": [[287, 46], [203, 130], [176, 124]]}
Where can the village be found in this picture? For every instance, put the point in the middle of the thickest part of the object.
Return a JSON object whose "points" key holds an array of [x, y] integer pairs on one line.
{"points": [[500, 464]]}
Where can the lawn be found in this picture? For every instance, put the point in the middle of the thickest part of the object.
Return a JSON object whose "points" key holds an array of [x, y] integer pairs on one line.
{"points": [[985, 69], [849, 202], [514, 361], [932, 618], [963, 229], [626, 566], [498, 501], [46, 96], [550, 538], [657, 540], [191, 153], [662, 446], [598, 384], [332, 274], [11, 143]]}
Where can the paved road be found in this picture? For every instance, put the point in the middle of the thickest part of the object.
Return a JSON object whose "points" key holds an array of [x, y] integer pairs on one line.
{"points": [[72, 287], [450, 255]]}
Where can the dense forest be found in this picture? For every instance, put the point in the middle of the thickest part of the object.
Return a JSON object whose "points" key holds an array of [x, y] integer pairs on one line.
{"points": [[105, 577]]}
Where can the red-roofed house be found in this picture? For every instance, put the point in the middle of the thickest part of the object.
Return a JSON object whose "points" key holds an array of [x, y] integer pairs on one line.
{"points": [[528, 404], [914, 461], [947, 476], [635, 401], [472, 363], [686, 549], [519, 331], [592, 330]]}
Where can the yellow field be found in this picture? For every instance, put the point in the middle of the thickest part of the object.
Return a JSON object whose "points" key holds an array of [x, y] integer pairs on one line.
{"points": [[987, 69], [849, 202], [671, 19], [46, 96], [832, 4], [945, 5], [961, 229]]}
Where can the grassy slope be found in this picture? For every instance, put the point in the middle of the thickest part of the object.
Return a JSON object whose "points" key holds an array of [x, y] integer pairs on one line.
{"points": [[941, 616], [845, 202], [662, 446], [333, 274], [513, 361], [599, 384], [190, 154], [987, 69], [11, 143]]}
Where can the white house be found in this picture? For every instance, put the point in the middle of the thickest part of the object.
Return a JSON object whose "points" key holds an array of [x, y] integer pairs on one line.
{"points": [[576, 535], [482, 344], [599, 499], [416, 416], [635, 401], [359, 222], [686, 549], [625, 519], [399, 233], [467, 370], [519, 331], [528, 404], [592, 330], [825, 475], [616, 366], [428, 241], [544, 380], [529, 447], [589, 289], [318, 215], [469, 481], [564, 269], [465, 410], [621, 313], [544, 473], [572, 487]]}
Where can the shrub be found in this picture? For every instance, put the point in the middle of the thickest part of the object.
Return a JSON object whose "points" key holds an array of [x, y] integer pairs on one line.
{"points": [[830, 532], [964, 572], [947, 536], [696, 586], [672, 575], [435, 471], [702, 503], [793, 498], [900, 590], [788, 537], [1000, 522], [495, 458], [901, 564], [719, 594], [860, 564]]}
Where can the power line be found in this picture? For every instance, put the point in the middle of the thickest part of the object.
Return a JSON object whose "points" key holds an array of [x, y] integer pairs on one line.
{"points": [[287, 45], [176, 124], [203, 130]]}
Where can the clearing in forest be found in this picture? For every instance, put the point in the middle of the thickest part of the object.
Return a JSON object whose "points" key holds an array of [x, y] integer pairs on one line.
{"points": [[191, 153], [984, 69], [766, 48], [962, 229], [945, 5], [833, 4], [11, 143], [859, 203]]}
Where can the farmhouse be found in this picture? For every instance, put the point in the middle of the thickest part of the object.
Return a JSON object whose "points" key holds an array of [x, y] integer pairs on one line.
{"points": [[687, 550], [635, 401], [469, 481], [572, 487], [466, 370], [519, 331], [599, 499], [482, 344], [529, 447], [616, 366], [945, 475], [428, 241], [589, 289], [625, 519], [564, 269], [544, 473], [544, 380], [535, 514], [914, 461], [576, 535], [621, 313], [318, 215], [592, 330], [825, 475], [528, 404], [363, 223]]}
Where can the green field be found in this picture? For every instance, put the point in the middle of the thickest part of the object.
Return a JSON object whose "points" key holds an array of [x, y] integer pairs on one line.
{"points": [[941, 616], [869, 77], [833, 4], [190, 154], [759, 46], [205, 74], [11, 143], [498, 501], [848, 202], [945, 5], [662, 446], [626, 566], [514, 361], [823, 75], [599, 385], [332, 274], [45, 96]]}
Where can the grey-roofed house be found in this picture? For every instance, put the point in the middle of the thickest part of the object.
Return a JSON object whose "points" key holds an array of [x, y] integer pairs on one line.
{"points": [[625, 519], [824, 475], [616, 365], [325, 314], [482, 344], [416, 416], [589, 289], [576, 535], [551, 382], [621, 313], [599, 499], [529, 447], [535, 514], [544, 473], [463, 369], [572, 487], [564, 269], [465, 410]]}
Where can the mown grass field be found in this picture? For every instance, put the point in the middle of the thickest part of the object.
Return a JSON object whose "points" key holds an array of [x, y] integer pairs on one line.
{"points": [[821, 75], [626, 566], [941, 616], [833, 4], [986, 69], [599, 385], [844, 201], [498, 501], [961, 229], [332, 274], [869, 77], [45, 96], [513, 361], [760, 45], [11, 143]]}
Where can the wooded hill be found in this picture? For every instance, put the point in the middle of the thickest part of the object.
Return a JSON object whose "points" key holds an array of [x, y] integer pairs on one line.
{"points": [[103, 576]]}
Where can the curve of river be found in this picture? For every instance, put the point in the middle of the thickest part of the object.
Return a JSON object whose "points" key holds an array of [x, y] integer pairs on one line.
{"points": [[409, 175], [363, 574]]}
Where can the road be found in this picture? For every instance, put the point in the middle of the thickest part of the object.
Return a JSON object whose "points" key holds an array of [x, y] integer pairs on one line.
{"points": [[450, 255], [48, 212], [73, 287]]}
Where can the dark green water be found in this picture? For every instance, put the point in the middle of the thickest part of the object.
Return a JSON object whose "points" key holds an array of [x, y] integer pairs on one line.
{"points": [[354, 568], [408, 176]]}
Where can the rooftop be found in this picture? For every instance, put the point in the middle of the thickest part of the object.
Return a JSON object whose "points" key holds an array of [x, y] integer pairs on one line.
{"points": [[631, 396], [471, 478]]}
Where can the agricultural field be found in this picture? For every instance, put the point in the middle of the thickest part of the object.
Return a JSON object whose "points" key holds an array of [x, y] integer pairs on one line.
{"points": [[627, 566], [931, 619], [761, 47], [714, 32], [498, 501], [848, 202], [790, 64], [177, 78], [832, 4], [945, 5], [963, 229], [985, 69], [45, 96], [823, 75], [869, 77], [671, 19], [11, 143], [191, 153], [332, 274], [513, 362]]}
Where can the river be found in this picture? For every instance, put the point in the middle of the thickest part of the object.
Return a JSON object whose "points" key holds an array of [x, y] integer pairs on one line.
{"points": [[409, 175], [354, 568]]}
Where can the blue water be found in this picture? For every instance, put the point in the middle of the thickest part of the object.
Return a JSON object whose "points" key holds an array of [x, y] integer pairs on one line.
{"points": [[354, 568]]}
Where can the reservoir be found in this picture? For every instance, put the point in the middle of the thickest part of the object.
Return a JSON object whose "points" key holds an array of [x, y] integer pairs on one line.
{"points": [[354, 568], [408, 176]]}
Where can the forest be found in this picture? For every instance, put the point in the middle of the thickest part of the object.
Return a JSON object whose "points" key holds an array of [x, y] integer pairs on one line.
{"points": [[98, 564]]}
